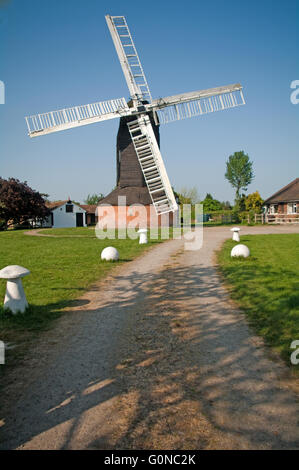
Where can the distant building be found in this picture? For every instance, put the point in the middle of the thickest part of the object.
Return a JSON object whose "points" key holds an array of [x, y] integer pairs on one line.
{"points": [[90, 214], [66, 214], [283, 206]]}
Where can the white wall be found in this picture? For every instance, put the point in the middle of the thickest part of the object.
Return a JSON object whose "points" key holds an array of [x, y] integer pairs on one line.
{"points": [[63, 219]]}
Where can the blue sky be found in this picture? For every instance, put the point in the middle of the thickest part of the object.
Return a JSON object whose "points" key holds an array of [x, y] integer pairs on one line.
{"points": [[59, 53]]}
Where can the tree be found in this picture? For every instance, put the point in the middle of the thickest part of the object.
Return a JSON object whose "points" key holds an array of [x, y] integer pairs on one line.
{"points": [[239, 172], [188, 195], [20, 203], [210, 204], [240, 203], [93, 198], [254, 202], [226, 205]]}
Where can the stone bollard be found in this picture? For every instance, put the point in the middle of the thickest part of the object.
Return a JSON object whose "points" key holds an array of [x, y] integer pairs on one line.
{"points": [[15, 298], [109, 254], [236, 236], [142, 236], [240, 250]]}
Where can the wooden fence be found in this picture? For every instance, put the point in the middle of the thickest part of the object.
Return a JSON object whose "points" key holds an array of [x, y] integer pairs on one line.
{"points": [[276, 218]]}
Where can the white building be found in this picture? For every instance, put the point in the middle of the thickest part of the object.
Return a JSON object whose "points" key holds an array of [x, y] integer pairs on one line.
{"points": [[65, 214]]}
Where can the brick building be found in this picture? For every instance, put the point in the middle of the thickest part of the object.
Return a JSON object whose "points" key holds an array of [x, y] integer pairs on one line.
{"points": [[283, 206]]}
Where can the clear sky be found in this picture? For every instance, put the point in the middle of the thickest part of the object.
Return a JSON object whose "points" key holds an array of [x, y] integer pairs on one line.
{"points": [[59, 53]]}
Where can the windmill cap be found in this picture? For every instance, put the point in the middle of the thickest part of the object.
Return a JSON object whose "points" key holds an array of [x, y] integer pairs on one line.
{"points": [[13, 272]]}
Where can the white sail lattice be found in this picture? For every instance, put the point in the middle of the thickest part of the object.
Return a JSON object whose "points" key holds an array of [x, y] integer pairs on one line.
{"points": [[67, 118], [197, 107]]}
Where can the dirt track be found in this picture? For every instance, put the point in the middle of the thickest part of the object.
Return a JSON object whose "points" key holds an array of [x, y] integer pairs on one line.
{"points": [[154, 357]]}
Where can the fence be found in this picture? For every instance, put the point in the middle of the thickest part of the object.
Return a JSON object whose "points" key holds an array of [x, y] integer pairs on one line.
{"points": [[259, 218], [282, 218], [253, 218]]}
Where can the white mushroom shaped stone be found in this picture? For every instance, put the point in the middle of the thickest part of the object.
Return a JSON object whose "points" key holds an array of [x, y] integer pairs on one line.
{"points": [[236, 236], [15, 298], [240, 250], [109, 254], [142, 236]]}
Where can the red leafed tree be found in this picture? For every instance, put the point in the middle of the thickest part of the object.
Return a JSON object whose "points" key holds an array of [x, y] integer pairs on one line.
{"points": [[19, 203]]}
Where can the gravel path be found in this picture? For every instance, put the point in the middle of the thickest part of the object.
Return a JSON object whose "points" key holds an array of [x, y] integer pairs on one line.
{"points": [[37, 233], [154, 357]]}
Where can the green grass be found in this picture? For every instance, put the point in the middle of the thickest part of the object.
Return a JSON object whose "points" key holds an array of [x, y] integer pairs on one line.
{"points": [[61, 270], [70, 232], [266, 286]]}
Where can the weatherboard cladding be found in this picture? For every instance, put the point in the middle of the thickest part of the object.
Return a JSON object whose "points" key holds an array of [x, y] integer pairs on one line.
{"points": [[129, 172], [130, 180], [129, 177]]}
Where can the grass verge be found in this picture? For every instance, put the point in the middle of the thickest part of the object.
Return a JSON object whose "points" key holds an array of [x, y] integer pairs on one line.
{"points": [[266, 287], [62, 268]]}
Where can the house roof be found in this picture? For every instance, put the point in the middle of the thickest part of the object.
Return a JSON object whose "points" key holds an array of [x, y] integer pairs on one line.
{"points": [[89, 208], [289, 193], [53, 205], [133, 194]]}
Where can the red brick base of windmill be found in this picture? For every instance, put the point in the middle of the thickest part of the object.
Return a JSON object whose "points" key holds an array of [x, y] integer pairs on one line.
{"points": [[131, 207]]}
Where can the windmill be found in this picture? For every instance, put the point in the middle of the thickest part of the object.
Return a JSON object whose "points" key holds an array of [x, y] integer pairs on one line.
{"points": [[139, 161]]}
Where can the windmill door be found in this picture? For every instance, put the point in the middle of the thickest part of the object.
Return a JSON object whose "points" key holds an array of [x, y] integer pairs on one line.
{"points": [[79, 220]]}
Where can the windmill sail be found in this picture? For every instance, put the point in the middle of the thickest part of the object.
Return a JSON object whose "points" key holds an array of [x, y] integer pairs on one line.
{"points": [[186, 105], [68, 118], [141, 130], [128, 58], [152, 165]]}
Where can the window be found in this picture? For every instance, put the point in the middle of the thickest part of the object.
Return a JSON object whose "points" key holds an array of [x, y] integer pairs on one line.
{"points": [[69, 207], [273, 208], [292, 208]]}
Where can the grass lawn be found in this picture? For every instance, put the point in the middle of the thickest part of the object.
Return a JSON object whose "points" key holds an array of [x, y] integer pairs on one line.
{"points": [[266, 286], [61, 269]]}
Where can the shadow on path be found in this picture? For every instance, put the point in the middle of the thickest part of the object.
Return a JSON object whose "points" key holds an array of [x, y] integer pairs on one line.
{"points": [[163, 364]]}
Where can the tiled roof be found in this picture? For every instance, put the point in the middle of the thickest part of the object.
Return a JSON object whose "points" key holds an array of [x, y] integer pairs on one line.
{"points": [[53, 205], [89, 208], [289, 193]]}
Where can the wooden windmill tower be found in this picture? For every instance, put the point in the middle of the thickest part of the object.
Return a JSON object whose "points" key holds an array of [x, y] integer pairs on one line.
{"points": [[141, 174]]}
